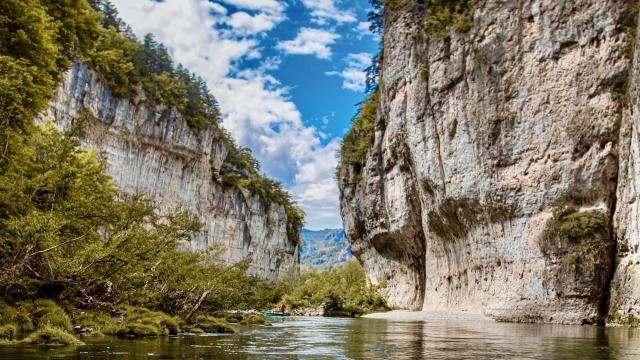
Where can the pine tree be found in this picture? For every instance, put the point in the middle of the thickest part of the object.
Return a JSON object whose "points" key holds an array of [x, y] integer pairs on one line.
{"points": [[111, 16]]}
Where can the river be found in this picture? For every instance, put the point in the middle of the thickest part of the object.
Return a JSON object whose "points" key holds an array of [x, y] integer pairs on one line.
{"points": [[339, 338]]}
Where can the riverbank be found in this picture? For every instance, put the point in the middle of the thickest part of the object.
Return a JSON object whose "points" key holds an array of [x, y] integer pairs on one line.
{"points": [[406, 315]]}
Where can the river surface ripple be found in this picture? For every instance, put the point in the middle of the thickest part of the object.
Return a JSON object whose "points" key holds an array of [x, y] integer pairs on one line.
{"points": [[338, 338]]}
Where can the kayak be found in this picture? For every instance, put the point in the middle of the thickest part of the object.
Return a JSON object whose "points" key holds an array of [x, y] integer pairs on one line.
{"points": [[276, 313]]}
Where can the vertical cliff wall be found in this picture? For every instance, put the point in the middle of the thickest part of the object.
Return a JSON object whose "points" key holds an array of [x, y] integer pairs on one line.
{"points": [[491, 183], [152, 150], [624, 305]]}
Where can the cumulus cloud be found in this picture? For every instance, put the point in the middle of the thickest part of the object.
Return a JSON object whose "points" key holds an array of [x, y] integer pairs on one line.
{"points": [[211, 41], [323, 11], [310, 42], [353, 75]]}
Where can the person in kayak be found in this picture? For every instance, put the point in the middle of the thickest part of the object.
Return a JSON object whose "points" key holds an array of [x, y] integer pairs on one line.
{"points": [[283, 308]]}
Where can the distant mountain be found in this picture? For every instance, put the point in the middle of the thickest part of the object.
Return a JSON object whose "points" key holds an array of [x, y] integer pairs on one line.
{"points": [[324, 248]]}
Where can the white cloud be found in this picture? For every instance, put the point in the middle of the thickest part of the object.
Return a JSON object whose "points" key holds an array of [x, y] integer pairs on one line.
{"points": [[353, 75], [364, 26], [257, 109], [325, 10], [264, 5], [246, 24], [310, 42]]}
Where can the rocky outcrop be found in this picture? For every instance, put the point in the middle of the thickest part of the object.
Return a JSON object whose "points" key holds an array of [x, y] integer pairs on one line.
{"points": [[491, 183], [152, 150], [624, 305]]}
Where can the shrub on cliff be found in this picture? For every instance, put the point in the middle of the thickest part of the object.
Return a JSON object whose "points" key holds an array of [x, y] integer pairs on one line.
{"points": [[359, 138], [129, 66]]}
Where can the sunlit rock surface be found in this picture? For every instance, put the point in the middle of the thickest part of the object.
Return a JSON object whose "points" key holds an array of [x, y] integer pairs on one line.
{"points": [[473, 152], [154, 151]]}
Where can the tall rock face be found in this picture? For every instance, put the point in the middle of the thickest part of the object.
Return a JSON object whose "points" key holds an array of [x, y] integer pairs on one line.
{"points": [[492, 183], [152, 150], [624, 305]]}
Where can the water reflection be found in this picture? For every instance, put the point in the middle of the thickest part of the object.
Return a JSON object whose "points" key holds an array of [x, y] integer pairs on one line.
{"points": [[324, 338]]}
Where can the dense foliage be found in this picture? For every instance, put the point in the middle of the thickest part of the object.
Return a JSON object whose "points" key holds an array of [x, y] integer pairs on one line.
{"points": [[359, 138], [66, 232], [128, 66], [342, 291]]}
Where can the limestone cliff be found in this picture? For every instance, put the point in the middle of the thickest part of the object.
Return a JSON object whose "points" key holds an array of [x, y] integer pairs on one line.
{"points": [[152, 150], [492, 183]]}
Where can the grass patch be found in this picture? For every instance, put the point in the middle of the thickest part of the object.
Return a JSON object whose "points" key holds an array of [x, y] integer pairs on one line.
{"points": [[253, 320], [51, 335], [211, 324], [142, 322]]}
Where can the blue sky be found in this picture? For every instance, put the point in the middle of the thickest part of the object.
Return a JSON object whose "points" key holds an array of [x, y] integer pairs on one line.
{"points": [[287, 74]]}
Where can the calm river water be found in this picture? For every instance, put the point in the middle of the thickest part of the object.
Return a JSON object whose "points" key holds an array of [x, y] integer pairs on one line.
{"points": [[334, 338]]}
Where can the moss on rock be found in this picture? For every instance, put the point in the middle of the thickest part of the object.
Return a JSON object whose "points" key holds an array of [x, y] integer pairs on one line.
{"points": [[142, 322], [8, 332], [213, 325], [579, 238], [51, 335], [253, 320]]}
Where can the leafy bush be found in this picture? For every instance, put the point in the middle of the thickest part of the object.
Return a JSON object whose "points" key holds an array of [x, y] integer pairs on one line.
{"points": [[342, 292], [359, 139]]}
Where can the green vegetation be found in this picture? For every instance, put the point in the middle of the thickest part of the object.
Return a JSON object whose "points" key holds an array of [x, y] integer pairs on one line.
{"points": [[142, 322], [343, 291], [445, 16], [67, 233], [630, 320], [129, 66], [212, 325], [359, 139], [8, 332], [51, 335], [441, 18], [580, 238]]}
